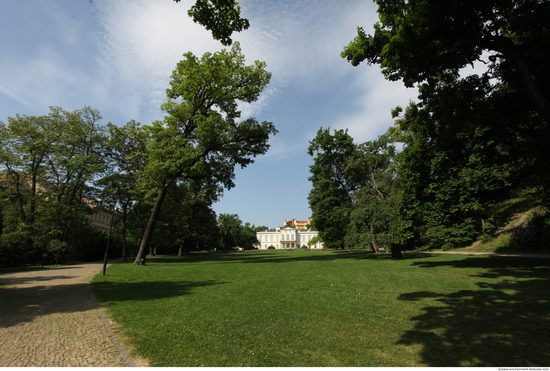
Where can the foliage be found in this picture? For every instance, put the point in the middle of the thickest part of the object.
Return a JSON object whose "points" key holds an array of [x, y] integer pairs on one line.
{"points": [[49, 165], [222, 17], [533, 235], [331, 197], [424, 40], [200, 138], [469, 141], [234, 234]]}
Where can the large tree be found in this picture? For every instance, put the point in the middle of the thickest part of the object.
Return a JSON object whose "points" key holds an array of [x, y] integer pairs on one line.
{"points": [[468, 141], [422, 40], [126, 156], [332, 195], [373, 220], [201, 136]]}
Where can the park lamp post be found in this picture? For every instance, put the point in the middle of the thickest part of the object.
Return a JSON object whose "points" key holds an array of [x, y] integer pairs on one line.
{"points": [[109, 236]]}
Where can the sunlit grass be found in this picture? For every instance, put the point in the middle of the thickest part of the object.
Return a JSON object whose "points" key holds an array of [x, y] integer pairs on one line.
{"points": [[323, 308]]}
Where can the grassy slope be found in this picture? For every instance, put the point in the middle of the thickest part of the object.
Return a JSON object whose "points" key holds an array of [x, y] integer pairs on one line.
{"points": [[509, 215], [313, 308]]}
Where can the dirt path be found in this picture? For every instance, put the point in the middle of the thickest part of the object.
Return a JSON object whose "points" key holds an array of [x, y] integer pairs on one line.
{"points": [[50, 318]]}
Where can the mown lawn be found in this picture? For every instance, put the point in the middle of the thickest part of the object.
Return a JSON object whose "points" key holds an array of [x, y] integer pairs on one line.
{"points": [[323, 308]]}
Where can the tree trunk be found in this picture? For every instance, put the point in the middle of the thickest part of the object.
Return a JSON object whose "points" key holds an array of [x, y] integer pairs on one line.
{"points": [[396, 251], [146, 240], [375, 246], [124, 243], [180, 251]]}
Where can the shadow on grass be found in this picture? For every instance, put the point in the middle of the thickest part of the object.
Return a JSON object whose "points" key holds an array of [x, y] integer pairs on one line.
{"points": [[504, 323], [266, 257], [141, 291]]}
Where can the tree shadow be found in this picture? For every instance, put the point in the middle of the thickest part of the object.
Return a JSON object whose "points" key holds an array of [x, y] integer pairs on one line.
{"points": [[24, 304], [504, 323], [264, 257], [142, 291]]}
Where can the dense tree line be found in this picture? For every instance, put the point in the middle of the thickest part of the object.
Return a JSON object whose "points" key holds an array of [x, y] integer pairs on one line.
{"points": [[57, 168], [467, 143]]}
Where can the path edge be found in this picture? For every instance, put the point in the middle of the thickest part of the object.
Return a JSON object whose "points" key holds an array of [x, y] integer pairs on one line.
{"points": [[124, 355]]}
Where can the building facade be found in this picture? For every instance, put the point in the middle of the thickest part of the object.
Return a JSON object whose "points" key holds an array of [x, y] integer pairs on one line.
{"points": [[287, 238]]}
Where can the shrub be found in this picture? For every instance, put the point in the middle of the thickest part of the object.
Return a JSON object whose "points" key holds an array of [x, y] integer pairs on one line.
{"points": [[305, 248], [56, 248], [533, 235], [271, 247]]}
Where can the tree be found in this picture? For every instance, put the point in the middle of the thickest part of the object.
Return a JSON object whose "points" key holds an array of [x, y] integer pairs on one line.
{"points": [[373, 218], [127, 156], [51, 161], [230, 230], [200, 137], [463, 151], [332, 195], [422, 40], [222, 17], [469, 141]]}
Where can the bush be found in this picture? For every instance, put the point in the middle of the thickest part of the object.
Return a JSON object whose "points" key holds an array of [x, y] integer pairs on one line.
{"points": [[305, 248], [56, 248], [13, 245], [271, 247], [533, 235]]}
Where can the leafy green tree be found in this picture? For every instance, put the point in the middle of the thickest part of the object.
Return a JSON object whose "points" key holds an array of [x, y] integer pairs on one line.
{"points": [[468, 142], [333, 194], [127, 156], [222, 17], [49, 164], [248, 236], [230, 230], [373, 218], [200, 137], [423, 40], [463, 152]]}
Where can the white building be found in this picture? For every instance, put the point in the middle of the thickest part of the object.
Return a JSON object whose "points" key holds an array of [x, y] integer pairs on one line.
{"points": [[287, 238]]}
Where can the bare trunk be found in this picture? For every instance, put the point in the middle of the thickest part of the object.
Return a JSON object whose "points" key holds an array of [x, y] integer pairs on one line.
{"points": [[375, 246], [124, 243], [396, 252], [180, 251], [146, 240]]}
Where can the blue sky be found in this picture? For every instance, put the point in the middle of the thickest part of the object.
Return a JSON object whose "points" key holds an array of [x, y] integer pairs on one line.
{"points": [[117, 57]]}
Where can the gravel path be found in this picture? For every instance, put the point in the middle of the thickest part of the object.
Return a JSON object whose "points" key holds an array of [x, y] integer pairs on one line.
{"points": [[50, 318]]}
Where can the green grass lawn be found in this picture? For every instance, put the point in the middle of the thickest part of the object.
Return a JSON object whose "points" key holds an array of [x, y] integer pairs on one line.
{"points": [[323, 308]]}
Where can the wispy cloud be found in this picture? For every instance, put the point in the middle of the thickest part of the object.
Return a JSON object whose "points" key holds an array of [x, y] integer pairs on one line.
{"points": [[140, 43]]}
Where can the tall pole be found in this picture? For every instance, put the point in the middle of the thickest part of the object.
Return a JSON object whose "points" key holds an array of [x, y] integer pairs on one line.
{"points": [[108, 239]]}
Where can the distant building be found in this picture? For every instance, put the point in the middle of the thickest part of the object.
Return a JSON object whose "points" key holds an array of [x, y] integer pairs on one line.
{"points": [[299, 224], [287, 238]]}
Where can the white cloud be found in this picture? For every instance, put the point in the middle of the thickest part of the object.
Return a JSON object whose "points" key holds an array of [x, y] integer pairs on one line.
{"points": [[376, 97], [140, 45]]}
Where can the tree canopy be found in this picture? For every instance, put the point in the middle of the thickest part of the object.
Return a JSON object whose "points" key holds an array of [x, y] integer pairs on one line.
{"points": [[201, 138]]}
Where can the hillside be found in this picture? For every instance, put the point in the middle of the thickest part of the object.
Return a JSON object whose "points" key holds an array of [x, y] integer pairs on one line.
{"points": [[513, 222]]}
